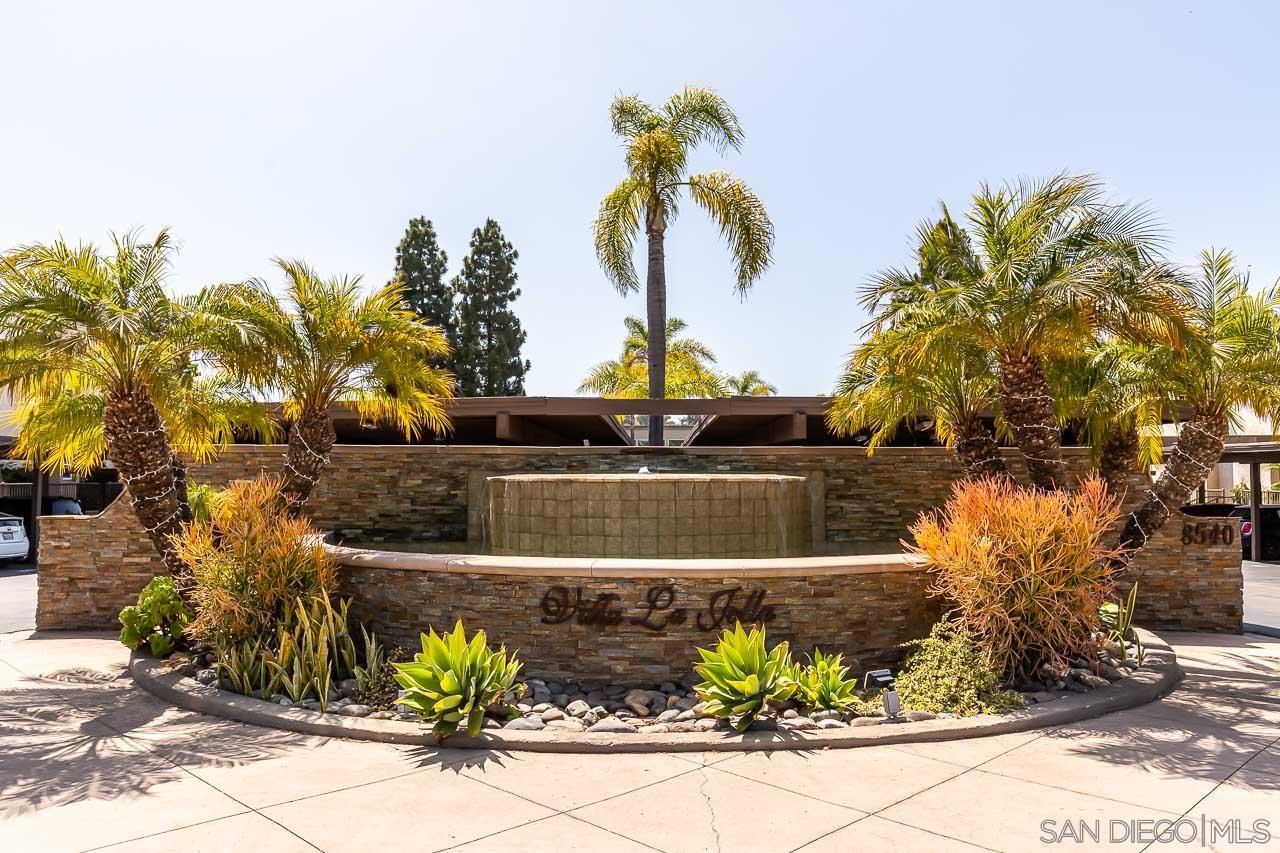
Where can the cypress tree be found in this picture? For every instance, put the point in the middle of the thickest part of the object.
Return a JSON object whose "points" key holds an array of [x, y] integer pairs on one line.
{"points": [[487, 358], [420, 267]]}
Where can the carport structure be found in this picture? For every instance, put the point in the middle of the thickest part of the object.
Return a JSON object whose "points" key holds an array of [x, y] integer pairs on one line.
{"points": [[1255, 455]]}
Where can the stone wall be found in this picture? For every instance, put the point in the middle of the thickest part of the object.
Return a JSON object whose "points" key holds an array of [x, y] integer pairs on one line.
{"points": [[1189, 576], [92, 566], [865, 616], [386, 492]]}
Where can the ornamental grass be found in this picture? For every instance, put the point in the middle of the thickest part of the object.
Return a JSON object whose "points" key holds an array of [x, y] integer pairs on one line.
{"points": [[1024, 569], [250, 562]]}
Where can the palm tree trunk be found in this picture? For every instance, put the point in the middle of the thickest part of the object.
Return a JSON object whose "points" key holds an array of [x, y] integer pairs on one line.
{"points": [[1118, 458], [1198, 448], [1028, 409], [310, 441], [180, 484], [656, 304], [978, 450], [138, 446]]}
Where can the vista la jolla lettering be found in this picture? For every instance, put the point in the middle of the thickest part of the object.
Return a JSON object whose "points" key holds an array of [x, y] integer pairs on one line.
{"points": [[658, 610]]}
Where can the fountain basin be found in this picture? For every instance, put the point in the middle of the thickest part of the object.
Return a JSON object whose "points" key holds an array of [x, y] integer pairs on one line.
{"points": [[641, 621], [699, 516]]}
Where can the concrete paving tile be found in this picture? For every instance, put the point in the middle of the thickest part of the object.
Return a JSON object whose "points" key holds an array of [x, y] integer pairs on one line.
{"points": [[1267, 761], [264, 767], [246, 831], [432, 810], [93, 789], [1140, 778], [1197, 741], [559, 834], [1241, 814], [713, 810], [867, 779], [1007, 814], [885, 836], [565, 782], [707, 758], [969, 752]]}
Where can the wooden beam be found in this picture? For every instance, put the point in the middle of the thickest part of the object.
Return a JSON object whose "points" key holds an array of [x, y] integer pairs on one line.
{"points": [[782, 429], [508, 428]]}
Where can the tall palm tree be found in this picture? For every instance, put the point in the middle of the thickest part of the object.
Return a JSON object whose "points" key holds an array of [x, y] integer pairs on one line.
{"points": [[657, 145], [327, 343], [1050, 263], [103, 363], [881, 389], [1229, 359], [689, 370], [749, 383]]}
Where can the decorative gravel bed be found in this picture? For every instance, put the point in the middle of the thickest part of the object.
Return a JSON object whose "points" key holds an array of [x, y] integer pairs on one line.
{"points": [[559, 716]]}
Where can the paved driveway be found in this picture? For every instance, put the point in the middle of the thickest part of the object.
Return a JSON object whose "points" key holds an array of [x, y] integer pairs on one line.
{"points": [[87, 761], [1262, 594], [17, 597]]}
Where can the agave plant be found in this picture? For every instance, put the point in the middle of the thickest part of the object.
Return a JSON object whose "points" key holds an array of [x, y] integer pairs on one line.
{"points": [[741, 678], [453, 680], [825, 683]]}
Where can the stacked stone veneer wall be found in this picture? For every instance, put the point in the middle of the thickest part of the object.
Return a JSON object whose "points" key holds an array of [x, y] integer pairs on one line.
{"points": [[866, 616], [92, 566]]}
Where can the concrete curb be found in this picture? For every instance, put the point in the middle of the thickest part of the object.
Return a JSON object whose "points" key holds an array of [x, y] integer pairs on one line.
{"points": [[1160, 675]]}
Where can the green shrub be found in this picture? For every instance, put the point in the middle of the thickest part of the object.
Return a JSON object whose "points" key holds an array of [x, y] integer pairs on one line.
{"points": [[454, 680], [824, 684], [1024, 569], [313, 650], [947, 673], [157, 620], [202, 498], [740, 678], [249, 563]]}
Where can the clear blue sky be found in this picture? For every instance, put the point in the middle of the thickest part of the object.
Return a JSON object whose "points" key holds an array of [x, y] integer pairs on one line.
{"points": [[318, 129]]}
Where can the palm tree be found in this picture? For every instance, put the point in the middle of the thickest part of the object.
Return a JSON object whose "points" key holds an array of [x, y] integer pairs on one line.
{"points": [[327, 344], [1229, 359], [103, 363], [1050, 263], [657, 144], [749, 383], [1113, 406], [689, 372], [881, 389]]}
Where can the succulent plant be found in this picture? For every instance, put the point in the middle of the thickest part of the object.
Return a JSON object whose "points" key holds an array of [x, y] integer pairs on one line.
{"points": [[741, 678], [157, 620], [454, 680], [824, 683]]}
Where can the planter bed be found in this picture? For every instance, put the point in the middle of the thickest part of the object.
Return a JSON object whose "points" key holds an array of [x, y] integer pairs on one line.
{"points": [[1159, 675]]}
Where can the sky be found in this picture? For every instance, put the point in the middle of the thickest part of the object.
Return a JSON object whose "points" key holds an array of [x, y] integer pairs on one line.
{"points": [[316, 130]]}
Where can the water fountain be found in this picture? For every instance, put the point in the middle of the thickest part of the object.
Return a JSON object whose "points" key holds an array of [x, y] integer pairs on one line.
{"points": [[647, 515]]}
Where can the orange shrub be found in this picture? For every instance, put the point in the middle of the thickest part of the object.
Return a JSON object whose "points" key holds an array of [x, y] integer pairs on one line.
{"points": [[1024, 569], [249, 561]]}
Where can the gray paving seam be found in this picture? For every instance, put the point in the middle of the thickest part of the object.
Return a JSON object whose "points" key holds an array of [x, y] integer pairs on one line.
{"points": [[878, 812], [148, 749], [1219, 785]]}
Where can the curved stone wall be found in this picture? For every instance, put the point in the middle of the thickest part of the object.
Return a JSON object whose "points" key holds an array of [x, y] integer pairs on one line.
{"points": [[640, 621]]}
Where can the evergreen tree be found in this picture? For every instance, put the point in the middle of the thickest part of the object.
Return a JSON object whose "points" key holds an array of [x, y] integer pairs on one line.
{"points": [[488, 338], [420, 268]]}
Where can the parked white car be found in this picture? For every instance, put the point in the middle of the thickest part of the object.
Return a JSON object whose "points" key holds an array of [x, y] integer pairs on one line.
{"points": [[13, 538]]}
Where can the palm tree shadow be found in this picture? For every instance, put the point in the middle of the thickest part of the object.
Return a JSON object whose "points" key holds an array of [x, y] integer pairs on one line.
{"points": [[1225, 712], [63, 740]]}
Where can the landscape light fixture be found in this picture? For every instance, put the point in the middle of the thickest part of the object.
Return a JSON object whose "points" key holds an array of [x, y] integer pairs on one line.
{"points": [[882, 679]]}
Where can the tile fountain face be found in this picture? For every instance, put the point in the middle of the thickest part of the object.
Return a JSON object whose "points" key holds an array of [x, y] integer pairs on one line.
{"points": [[647, 515]]}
